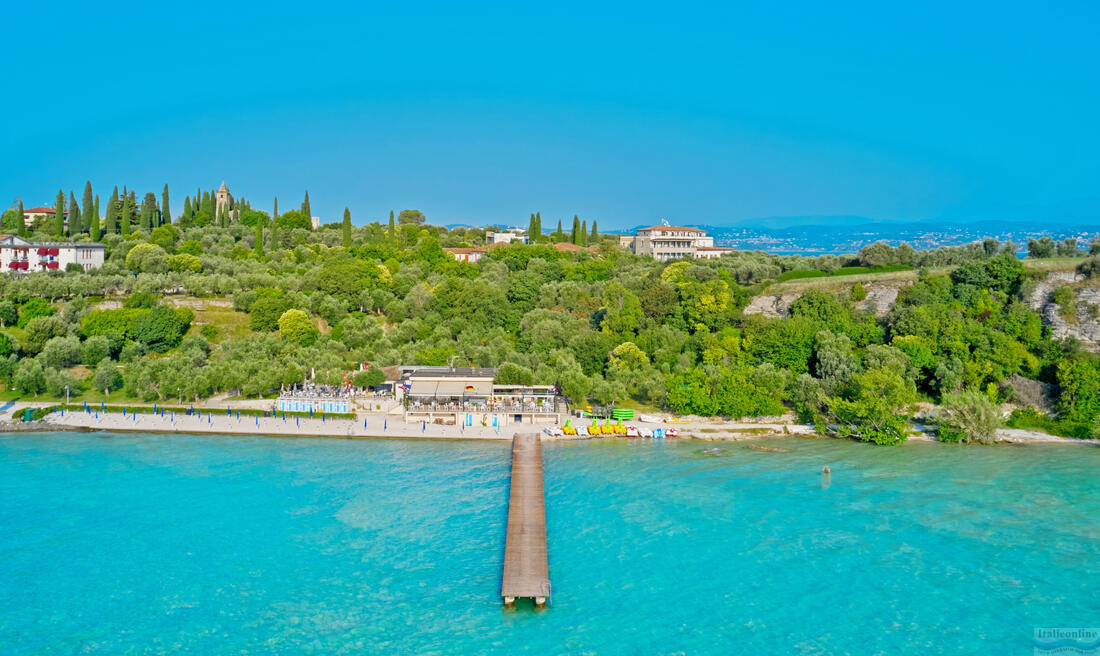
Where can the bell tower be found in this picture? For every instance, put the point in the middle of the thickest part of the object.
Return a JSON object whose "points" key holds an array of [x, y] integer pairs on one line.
{"points": [[224, 200]]}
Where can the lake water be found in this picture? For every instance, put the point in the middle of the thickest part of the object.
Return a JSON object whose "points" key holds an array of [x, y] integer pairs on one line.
{"points": [[165, 543]]}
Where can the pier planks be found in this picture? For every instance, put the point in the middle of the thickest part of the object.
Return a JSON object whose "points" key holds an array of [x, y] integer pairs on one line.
{"points": [[526, 569]]}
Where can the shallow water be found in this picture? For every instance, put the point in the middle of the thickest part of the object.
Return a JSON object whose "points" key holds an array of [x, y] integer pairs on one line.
{"points": [[161, 543]]}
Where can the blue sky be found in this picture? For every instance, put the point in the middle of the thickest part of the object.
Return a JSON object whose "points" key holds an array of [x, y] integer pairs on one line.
{"points": [[623, 113]]}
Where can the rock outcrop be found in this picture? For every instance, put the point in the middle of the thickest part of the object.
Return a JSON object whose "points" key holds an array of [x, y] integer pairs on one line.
{"points": [[1084, 326]]}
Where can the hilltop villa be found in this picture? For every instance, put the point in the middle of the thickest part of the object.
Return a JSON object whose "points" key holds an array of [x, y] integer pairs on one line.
{"points": [[664, 242]]}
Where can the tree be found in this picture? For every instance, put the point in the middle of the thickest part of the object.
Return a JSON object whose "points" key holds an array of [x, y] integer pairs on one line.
{"points": [[88, 215], [1042, 247], [165, 213], [372, 377], [258, 240], [147, 258], [8, 314], [58, 228], [165, 236], [306, 209], [875, 412], [110, 224], [7, 347], [573, 237], [531, 233], [393, 229], [184, 262], [275, 210], [968, 417], [39, 331], [411, 217], [510, 373], [558, 234], [264, 314], [30, 377], [294, 219], [75, 225], [32, 309], [22, 219], [583, 236], [346, 233], [107, 376], [594, 238], [149, 212], [295, 326], [162, 327]]}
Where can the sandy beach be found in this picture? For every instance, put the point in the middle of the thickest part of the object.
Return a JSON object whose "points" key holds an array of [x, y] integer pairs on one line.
{"points": [[383, 425]]}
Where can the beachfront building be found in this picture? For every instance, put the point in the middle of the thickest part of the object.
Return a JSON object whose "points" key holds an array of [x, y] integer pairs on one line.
{"points": [[665, 242], [18, 255], [316, 399], [469, 397], [506, 236]]}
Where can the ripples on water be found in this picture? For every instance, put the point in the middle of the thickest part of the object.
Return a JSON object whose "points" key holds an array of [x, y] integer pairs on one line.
{"points": [[162, 543]]}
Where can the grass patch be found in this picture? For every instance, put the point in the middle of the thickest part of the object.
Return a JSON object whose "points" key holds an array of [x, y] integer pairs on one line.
{"points": [[230, 323], [1031, 420]]}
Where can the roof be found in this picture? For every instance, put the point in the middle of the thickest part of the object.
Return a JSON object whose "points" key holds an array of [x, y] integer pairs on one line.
{"points": [[13, 240], [447, 372], [572, 248], [40, 210], [463, 251], [664, 227], [712, 248]]}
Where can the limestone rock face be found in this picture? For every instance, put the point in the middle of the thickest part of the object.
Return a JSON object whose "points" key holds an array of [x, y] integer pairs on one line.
{"points": [[881, 298], [772, 306], [1085, 326]]}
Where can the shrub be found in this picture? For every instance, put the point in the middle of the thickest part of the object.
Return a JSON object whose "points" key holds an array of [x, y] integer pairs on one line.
{"points": [[162, 327], [295, 326], [968, 417], [372, 377], [147, 258], [95, 349], [209, 331], [32, 309], [184, 262]]}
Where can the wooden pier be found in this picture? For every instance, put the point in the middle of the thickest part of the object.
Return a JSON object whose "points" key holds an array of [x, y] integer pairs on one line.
{"points": [[526, 569]]}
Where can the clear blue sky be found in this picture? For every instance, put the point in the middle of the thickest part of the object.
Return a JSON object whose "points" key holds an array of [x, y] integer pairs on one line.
{"points": [[621, 113]]}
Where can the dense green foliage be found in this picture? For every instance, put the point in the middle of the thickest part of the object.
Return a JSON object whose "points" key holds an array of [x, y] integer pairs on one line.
{"points": [[603, 325]]}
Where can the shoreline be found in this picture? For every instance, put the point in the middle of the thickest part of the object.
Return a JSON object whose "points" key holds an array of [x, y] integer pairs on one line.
{"points": [[378, 426]]}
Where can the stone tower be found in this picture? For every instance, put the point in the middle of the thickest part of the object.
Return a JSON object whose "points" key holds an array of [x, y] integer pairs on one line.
{"points": [[224, 200]]}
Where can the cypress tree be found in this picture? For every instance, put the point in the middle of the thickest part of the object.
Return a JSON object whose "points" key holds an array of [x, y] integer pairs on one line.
{"points": [[21, 216], [76, 224], [347, 228], [59, 216], [584, 233], [393, 229], [149, 212], [273, 235], [258, 246], [165, 214], [576, 227], [531, 227], [96, 231], [275, 214], [187, 207], [237, 214], [305, 207], [538, 224], [594, 238], [87, 213], [129, 208], [196, 204], [559, 234], [111, 224]]}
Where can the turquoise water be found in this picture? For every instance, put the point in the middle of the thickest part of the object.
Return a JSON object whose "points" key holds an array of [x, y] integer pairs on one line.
{"points": [[165, 543]]}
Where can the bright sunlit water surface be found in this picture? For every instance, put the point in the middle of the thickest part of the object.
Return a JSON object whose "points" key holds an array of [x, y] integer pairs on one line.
{"points": [[163, 543]]}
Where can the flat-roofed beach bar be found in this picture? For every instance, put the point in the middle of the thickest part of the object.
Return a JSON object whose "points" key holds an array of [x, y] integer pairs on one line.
{"points": [[468, 396]]}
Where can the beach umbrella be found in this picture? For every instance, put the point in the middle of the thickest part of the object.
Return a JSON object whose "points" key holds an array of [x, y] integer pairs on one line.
{"points": [[229, 412], [85, 406], [101, 405], [284, 417], [257, 421], [296, 422], [123, 411], [364, 424], [423, 427], [385, 424], [154, 408], [97, 414]]}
